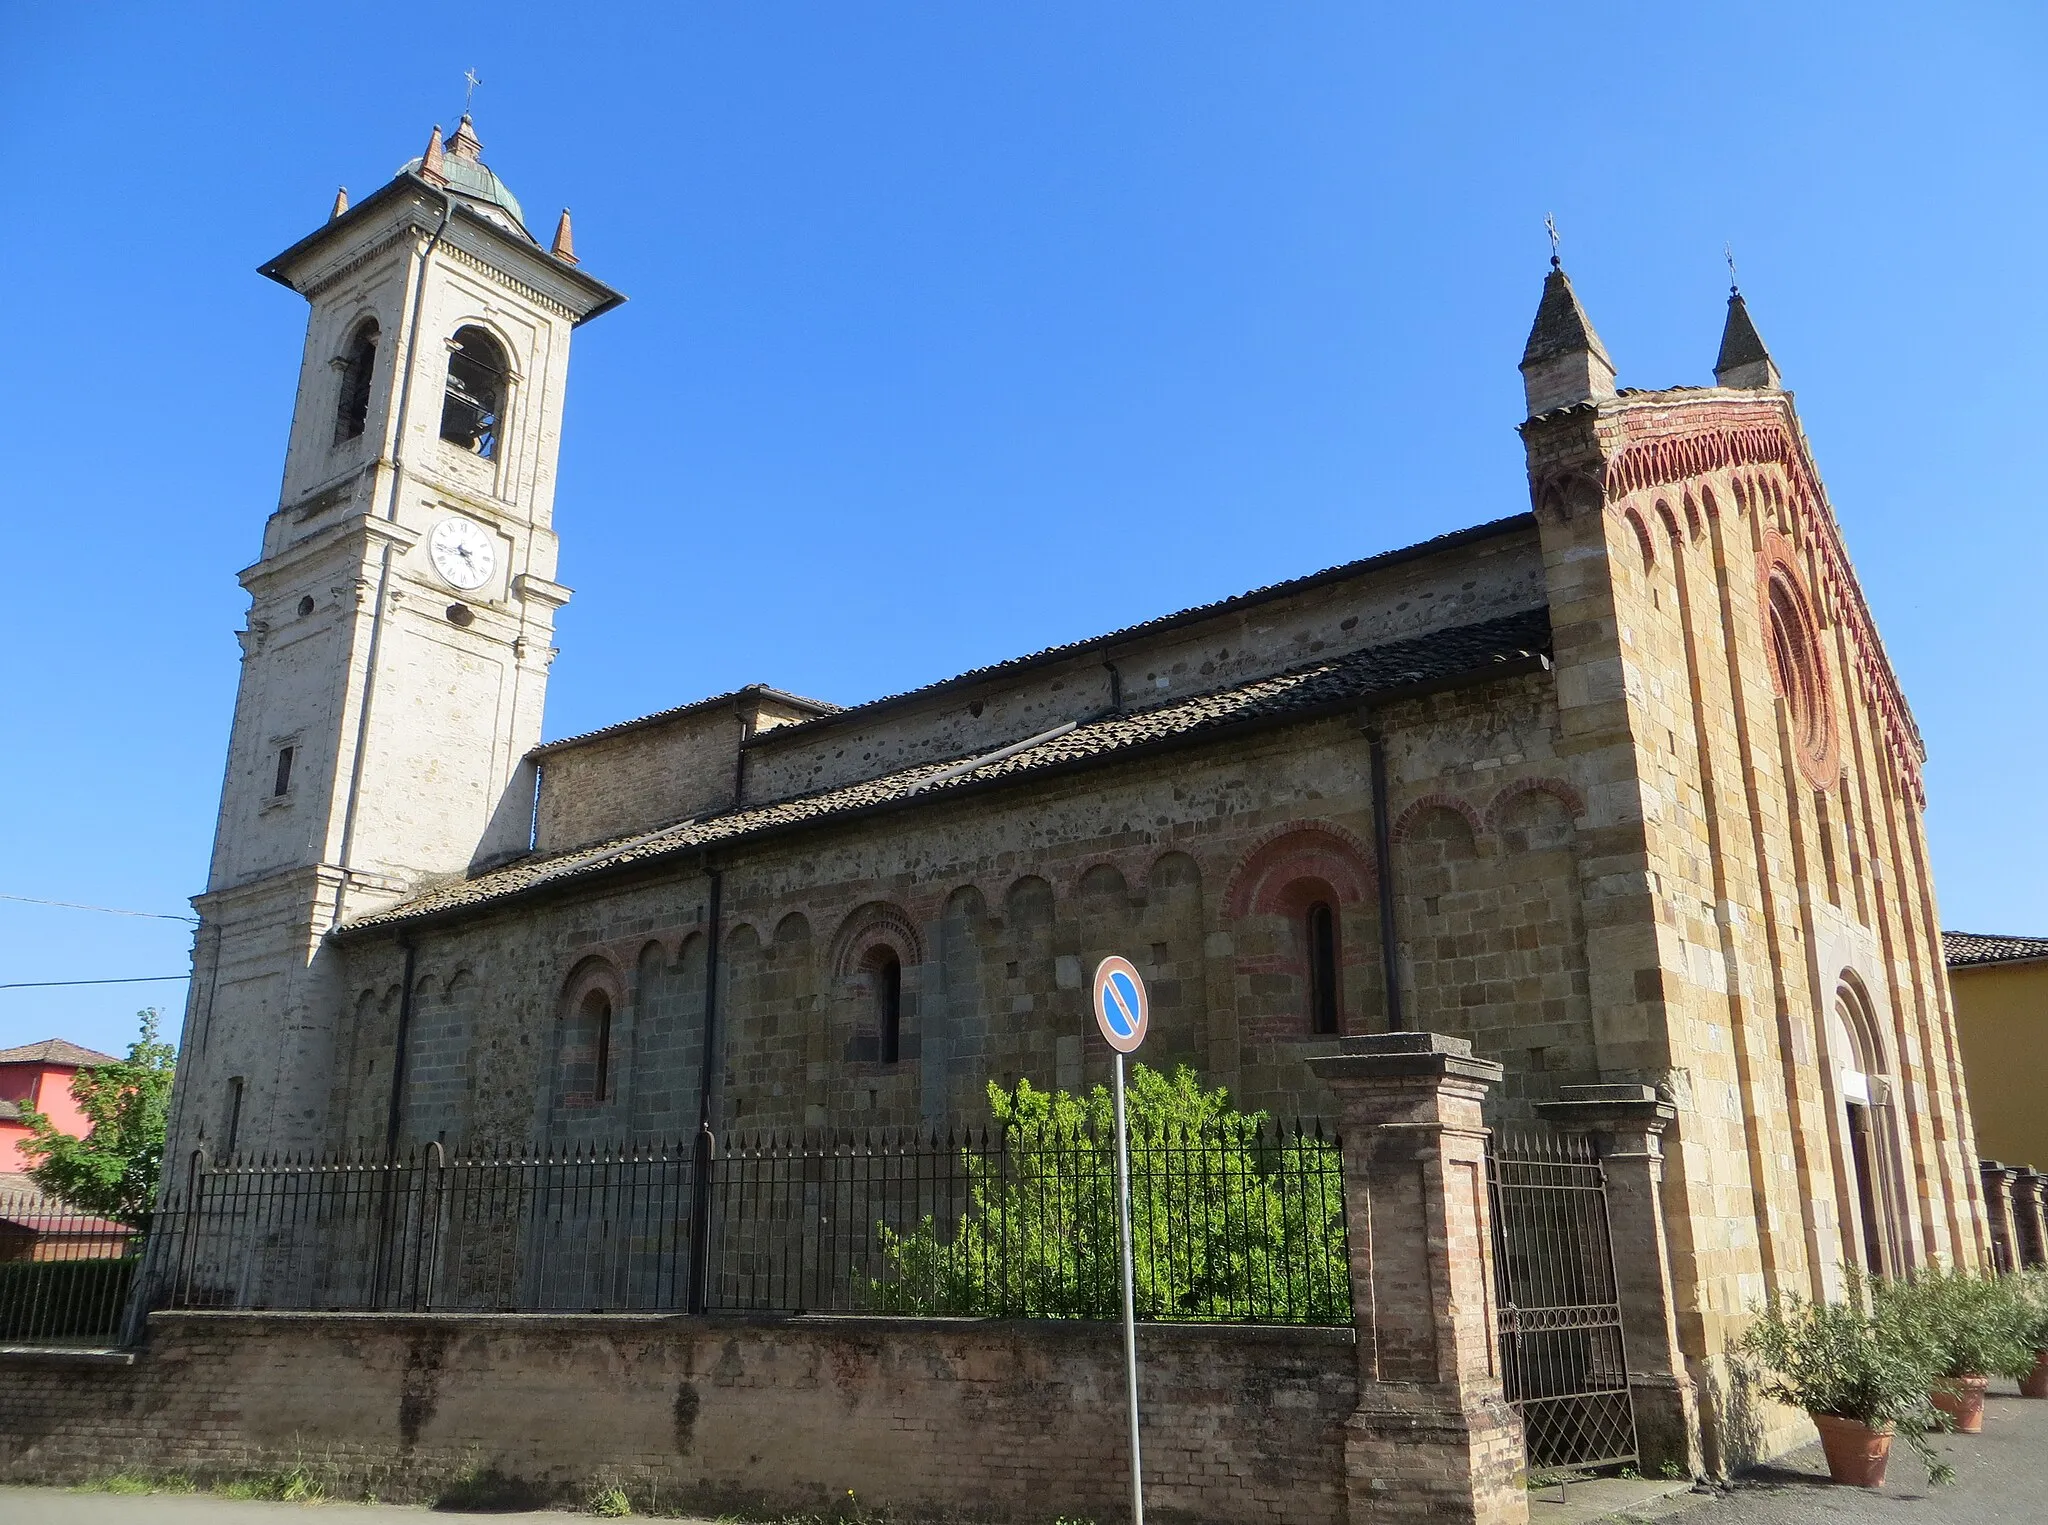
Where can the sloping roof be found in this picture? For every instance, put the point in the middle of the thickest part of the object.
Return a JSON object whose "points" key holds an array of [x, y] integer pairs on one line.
{"points": [[54, 1051], [1462, 652], [1965, 949], [752, 690], [1561, 326], [1741, 344], [832, 714]]}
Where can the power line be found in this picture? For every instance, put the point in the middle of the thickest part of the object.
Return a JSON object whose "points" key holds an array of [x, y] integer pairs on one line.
{"points": [[72, 905], [140, 979]]}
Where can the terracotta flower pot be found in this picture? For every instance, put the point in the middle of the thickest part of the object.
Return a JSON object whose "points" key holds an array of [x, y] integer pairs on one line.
{"points": [[2035, 1383], [1962, 1399], [1856, 1453]]}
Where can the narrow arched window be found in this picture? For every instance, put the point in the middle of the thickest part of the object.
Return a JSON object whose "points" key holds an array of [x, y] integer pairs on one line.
{"points": [[587, 1051], [358, 365], [1322, 968], [472, 410], [889, 1008]]}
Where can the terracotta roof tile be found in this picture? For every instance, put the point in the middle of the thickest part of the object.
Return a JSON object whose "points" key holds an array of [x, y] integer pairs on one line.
{"points": [[54, 1051], [1965, 949], [1299, 693]]}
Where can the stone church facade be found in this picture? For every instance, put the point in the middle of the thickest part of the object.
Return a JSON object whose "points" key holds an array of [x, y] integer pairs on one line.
{"points": [[1619, 786]]}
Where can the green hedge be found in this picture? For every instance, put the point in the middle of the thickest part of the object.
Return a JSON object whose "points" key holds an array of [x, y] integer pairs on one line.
{"points": [[43, 1300]]}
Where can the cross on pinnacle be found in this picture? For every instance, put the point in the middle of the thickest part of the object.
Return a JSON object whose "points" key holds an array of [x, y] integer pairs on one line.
{"points": [[1728, 253], [1550, 227], [474, 80]]}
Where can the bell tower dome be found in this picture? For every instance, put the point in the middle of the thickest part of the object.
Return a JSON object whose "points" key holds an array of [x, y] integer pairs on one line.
{"points": [[401, 616]]}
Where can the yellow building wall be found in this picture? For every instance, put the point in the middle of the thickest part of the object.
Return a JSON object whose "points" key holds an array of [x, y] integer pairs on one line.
{"points": [[2002, 1022]]}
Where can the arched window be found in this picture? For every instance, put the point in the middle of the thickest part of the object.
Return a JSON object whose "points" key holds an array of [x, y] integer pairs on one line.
{"points": [[887, 974], [1322, 968], [358, 364], [475, 401], [587, 1051]]}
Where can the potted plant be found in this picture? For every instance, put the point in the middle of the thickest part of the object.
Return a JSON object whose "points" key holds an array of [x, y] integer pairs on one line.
{"points": [[1860, 1385], [2032, 1288], [1967, 1327]]}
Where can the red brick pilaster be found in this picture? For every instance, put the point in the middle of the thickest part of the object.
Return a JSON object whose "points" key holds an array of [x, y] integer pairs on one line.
{"points": [[1433, 1438]]}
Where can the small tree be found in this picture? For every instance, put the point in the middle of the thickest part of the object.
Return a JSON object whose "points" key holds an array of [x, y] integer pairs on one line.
{"points": [[113, 1169], [1229, 1219]]}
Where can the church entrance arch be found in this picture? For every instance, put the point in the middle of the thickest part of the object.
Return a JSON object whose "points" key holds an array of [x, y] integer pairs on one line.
{"points": [[1870, 1131]]}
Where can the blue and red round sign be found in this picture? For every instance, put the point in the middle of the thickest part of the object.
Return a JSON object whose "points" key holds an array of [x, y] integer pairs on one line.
{"points": [[1121, 1008]]}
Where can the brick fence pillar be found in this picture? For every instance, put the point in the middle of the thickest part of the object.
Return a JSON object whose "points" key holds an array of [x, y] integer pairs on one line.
{"points": [[1627, 1124], [2030, 1214], [1433, 1438], [1998, 1180]]}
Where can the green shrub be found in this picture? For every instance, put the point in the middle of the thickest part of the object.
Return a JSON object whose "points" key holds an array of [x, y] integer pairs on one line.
{"points": [[1962, 1324], [1836, 1358], [2031, 1288], [64, 1299], [1228, 1223]]}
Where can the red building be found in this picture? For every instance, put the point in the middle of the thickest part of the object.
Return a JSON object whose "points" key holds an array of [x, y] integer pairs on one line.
{"points": [[37, 1077]]}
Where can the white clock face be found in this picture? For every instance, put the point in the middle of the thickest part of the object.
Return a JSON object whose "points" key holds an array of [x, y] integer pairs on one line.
{"points": [[463, 553]]}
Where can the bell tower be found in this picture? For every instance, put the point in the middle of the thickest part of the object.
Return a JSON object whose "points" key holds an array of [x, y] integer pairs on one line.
{"points": [[401, 618]]}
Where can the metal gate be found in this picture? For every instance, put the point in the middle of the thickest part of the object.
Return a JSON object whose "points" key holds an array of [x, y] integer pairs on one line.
{"points": [[1560, 1315]]}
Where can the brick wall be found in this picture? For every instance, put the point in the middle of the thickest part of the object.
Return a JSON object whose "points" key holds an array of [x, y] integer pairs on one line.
{"points": [[977, 1419]]}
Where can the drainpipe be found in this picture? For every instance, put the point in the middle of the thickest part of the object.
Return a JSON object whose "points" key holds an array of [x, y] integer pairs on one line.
{"points": [[707, 1142], [1383, 853]]}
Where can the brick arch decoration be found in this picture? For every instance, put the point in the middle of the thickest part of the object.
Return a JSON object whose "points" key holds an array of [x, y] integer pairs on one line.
{"points": [[1669, 520], [868, 926], [1404, 823], [1573, 802], [597, 972], [1124, 864], [1645, 546], [1798, 661], [1756, 447], [1300, 850]]}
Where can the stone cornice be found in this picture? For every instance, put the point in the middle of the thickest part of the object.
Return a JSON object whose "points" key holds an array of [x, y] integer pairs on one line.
{"points": [[367, 531], [538, 590]]}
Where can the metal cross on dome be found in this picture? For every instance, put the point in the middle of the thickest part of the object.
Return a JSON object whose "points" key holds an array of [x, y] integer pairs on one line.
{"points": [[474, 80]]}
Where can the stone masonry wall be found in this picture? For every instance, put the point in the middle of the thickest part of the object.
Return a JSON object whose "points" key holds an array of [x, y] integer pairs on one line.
{"points": [[1200, 865], [997, 1421]]}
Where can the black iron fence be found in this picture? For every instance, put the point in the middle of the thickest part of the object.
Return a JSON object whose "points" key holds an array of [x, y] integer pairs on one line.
{"points": [[65, 1275], [1560, 1314], [1233, 1224]]}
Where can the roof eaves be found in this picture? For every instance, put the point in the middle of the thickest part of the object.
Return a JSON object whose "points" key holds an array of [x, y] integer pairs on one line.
{"points": [[659, 717], [1165, 622], [607, 864]]}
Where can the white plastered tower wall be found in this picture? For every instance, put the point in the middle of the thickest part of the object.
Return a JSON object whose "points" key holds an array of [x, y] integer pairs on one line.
{"points": [[408, 702]]}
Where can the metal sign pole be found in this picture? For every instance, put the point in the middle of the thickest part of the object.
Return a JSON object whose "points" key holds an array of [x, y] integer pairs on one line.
{"points": [[1123, 1211]]}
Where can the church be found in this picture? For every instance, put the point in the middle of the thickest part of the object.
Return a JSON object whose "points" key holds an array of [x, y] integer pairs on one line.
{"points": [[1617, 784]]}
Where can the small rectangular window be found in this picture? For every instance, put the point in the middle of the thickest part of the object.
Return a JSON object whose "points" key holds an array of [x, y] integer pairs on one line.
{"points": [[284, 771], [234, 1128]]}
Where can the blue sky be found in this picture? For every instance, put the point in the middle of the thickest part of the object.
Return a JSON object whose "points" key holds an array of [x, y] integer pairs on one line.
{"points": [[958, 330]]}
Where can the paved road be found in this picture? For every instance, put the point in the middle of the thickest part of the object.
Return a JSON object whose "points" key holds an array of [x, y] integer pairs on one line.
{"points": [[2001, 1479]]}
